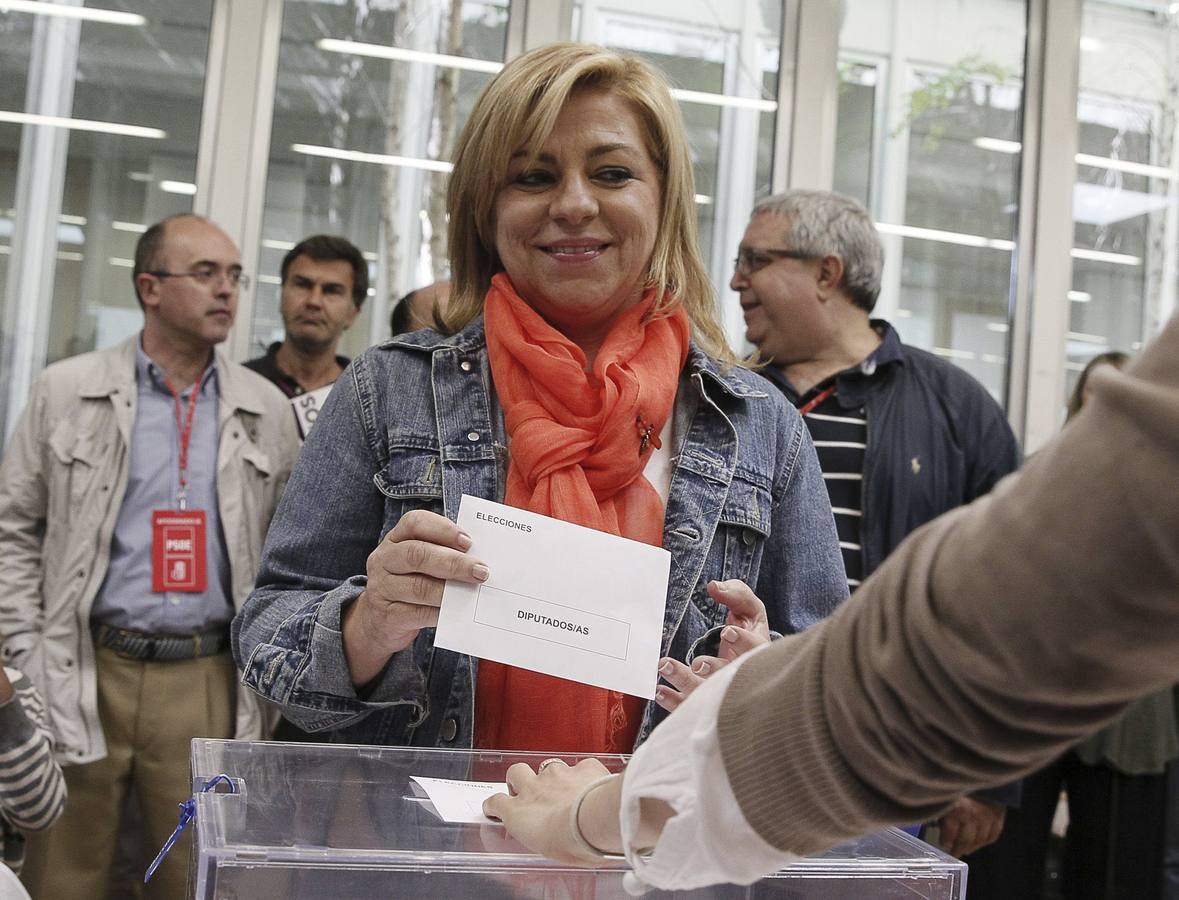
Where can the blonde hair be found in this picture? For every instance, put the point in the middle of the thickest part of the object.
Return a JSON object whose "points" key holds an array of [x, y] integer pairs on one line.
{"points": [[519, 108]]}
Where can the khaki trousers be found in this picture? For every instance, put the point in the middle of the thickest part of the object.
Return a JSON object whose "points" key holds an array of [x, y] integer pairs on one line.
{"points": [[150, 711]]}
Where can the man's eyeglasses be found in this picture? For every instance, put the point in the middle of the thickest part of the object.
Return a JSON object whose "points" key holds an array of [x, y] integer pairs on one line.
{"points": [[208, 276], [750, 259]]}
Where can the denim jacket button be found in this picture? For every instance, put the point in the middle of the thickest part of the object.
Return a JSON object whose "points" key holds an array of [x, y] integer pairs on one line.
{"points": [[465, 365], [449, 730], [472, 436]]}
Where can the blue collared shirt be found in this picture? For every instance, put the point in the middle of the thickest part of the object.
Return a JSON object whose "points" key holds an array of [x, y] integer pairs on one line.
{"points": [[125, 599]]}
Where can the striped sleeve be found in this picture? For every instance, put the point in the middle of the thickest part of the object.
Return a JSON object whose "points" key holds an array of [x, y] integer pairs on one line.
{"points": [[32, 788]]}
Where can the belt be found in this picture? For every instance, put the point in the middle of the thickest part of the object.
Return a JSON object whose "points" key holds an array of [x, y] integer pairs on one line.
{"points": [[160, 647]]}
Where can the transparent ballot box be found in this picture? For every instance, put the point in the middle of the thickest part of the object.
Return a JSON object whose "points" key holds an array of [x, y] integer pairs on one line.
{"points": [[342, 822]]}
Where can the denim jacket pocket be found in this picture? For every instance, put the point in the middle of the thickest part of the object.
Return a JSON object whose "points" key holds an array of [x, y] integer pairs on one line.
{"points": [[411, 479], [745, 523]]}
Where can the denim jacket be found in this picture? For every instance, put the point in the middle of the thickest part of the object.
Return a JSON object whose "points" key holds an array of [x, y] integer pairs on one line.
{"points": [[414, 424]]}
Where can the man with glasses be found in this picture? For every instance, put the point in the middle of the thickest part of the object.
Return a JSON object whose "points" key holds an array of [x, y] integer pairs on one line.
{"points": [[324, 283], [134, 499], [902, 436]]}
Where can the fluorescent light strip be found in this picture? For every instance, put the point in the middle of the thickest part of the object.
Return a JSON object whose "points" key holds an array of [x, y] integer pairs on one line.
{"points": [[1087, 338], [977, 240], [1121, 259], [380, 51], [381, 159], [1079, 296], [269, 279], [945, 237], [122, 262], [1082, 159], [69, 256], [953, 353], [997, 144], [708, 99], [71, 220], [178, 187], [1000, 327], [134, 227], [5, 250], [703, 199], [1119, 165], [89, 13], [20, 118], [278, 245]]}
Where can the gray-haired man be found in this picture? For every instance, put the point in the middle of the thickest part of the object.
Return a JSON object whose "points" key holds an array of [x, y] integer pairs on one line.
{"points": [[902, 436]]}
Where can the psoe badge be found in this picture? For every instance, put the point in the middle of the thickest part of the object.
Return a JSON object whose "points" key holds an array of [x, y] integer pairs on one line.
{"points": [[178, 551]]}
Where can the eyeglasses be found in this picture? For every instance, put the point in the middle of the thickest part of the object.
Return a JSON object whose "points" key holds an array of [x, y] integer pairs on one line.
{"points": [[751, 259], [207, 276]]}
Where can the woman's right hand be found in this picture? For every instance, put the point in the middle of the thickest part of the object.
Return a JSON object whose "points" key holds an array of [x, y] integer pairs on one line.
{"points": [[746, 628], [406, 574]]}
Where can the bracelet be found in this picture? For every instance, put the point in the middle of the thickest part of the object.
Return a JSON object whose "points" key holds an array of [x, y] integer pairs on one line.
{"points": [[582, 844]]}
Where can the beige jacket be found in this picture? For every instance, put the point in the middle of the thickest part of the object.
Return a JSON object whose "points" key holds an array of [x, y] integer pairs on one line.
{"points": [[62, 482], [989, 642]]}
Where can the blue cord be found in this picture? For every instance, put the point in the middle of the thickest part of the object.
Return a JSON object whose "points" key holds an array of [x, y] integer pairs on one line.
{"points": [[187, 814]]}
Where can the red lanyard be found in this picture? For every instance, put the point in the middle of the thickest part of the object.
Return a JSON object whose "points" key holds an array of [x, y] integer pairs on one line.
{"points": [[811, 404], [185, 428]]}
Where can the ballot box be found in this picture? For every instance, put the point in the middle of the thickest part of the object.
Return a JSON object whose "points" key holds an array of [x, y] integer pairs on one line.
{"points": [[346, 822]]}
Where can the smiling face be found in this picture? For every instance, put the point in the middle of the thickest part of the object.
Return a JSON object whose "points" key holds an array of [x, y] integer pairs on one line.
{"points": [[179, 309], [575, 228], [781, 300], [317, 305]]}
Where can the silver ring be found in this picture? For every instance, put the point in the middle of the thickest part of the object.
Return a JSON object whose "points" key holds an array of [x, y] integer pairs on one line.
{"points": [[548, 762]]}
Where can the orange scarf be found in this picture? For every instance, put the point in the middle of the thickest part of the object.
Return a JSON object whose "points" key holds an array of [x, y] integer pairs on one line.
{"points": [[579, 444]]}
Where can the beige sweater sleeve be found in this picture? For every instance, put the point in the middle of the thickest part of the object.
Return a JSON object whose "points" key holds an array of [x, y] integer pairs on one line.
{"points": [[988, 642]]}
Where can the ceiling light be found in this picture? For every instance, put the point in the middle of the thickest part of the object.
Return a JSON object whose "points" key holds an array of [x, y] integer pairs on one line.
{"points": [[708, 99], [89, 13], [21, 118], [178, 187], [382, 159], [278, 245], [380, 51], [997, 144], [1079, 296], [1119, 165], [122, 261], [1121, 259], [134, 227], [71, 220], [1090, 44], [945, 237]]}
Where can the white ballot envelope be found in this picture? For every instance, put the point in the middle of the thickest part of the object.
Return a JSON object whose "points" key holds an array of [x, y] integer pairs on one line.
{"points": [[562, 599], [455, 801]]}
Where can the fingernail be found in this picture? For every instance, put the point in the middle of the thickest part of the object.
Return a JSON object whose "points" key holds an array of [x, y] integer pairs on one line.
{"points": [[464, 540], [479, 572], [666, 669], [729, 633], [660, 693], [720, 587], [700, 667]]}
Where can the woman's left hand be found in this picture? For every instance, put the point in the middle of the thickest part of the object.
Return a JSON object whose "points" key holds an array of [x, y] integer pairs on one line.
{"points": [[746, 629], [537, 810]]}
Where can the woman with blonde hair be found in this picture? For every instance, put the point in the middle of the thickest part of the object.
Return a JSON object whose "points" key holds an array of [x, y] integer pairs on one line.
{"points": [[584, 376]]}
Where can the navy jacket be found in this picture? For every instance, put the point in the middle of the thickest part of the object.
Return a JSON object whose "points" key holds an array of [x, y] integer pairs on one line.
{"points": [[936, 439]]}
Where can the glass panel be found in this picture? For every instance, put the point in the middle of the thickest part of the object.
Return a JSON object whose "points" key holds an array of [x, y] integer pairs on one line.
{"points": [[363, 124], [733, 62], [1125, 203], [123, 100], [941, 174]]}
